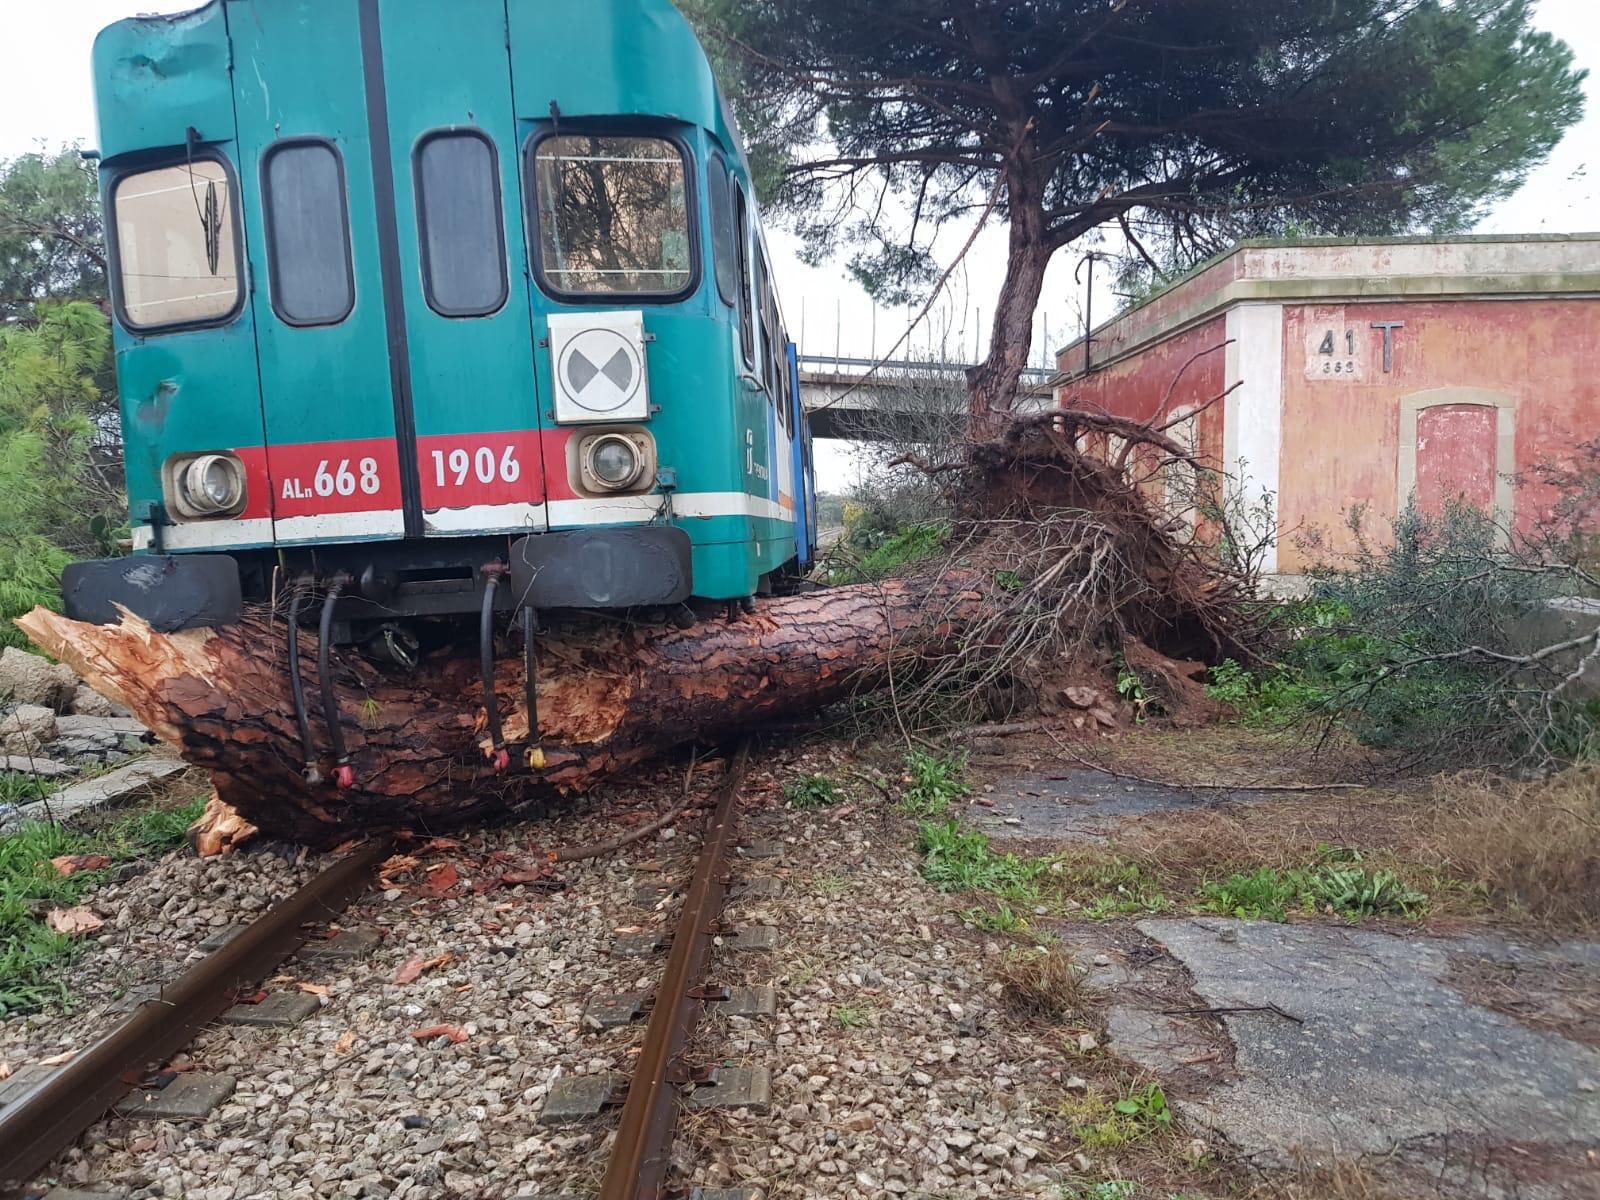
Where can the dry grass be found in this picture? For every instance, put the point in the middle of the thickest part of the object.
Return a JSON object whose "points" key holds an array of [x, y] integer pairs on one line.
{"points": [[1534, 848], [1044, 981], [1342, 1180]]}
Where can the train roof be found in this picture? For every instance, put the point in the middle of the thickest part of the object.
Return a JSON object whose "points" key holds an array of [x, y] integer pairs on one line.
{"points": [[157, 77]]}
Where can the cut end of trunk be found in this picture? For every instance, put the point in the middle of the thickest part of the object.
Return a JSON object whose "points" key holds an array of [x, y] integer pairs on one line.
{"points": [[220, 829]]}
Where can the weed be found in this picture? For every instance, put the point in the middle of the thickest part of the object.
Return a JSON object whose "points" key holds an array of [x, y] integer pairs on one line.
{"points": [[997, 920], [830, 886], [24, 789], [955, 859], [933, 784], [852, 1017], [1350, 890], [156, 830], [1042, 981], [1255, 895], [1109, 1189], [371, 714], [813, 791], [28, 948], [1105, 1125]]}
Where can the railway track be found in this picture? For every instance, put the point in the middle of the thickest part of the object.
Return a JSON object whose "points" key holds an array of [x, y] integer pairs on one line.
{"points": [[48, 1120], [41, 1125]]}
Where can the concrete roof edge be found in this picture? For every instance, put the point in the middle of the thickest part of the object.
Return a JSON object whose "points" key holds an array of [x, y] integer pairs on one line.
{"points": [[1267, 243]]}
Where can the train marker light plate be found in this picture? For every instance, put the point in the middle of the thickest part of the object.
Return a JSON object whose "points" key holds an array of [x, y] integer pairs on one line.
{"points": [[599, 366]]}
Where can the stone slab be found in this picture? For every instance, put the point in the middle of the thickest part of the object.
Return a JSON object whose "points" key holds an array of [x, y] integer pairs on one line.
{"points": [[608, 1012], [66, 1193], [649, 897], [749, 1002], [120, 727], [189, 1097], [735, 1087], [44, 768], [1386, 1056], [639, 945], [752, 939], [278, 1011], [578, 1098], [763, 887], [106, 789], [1086, 804], [343, 946]]}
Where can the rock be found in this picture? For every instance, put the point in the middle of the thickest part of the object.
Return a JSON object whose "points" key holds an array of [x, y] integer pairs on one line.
{"points": [[1081, 697], [86, 702], [107, 789], [27, 729], [29, 679], [1088, 1042], [44, 768]]}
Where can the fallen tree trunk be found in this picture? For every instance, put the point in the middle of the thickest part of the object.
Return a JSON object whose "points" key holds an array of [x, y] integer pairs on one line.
{"points": [[1056, 561], [609, 695]]}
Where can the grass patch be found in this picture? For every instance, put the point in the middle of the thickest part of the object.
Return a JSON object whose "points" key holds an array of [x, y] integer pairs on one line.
{"points": [[31, 954], [912, 544], [813, 791], [956, 859], [933, 784], [1101, 1124], [997, 920], [852, 1016], [29, 886]]}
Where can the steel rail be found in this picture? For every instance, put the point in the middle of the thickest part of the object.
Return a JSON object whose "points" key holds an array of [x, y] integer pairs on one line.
{"points": [[45, 1122], [638, 1165]]}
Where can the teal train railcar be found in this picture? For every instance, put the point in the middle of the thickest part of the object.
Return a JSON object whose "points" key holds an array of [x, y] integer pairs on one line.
{"points": [[429, 309]]}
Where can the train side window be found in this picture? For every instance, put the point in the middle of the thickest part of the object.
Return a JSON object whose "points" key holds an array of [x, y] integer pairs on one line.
{"points": [[176, 243], [747, 325], [308, 233], [460, 224], [613, 216], [723, 248]]}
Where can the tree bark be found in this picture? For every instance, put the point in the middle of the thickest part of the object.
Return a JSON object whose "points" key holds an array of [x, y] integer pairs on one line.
{"points": [[992, 385], [608, 696]]}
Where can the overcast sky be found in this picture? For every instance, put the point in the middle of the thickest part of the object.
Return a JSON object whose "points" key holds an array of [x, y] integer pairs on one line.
{"points": [[45, 96]]}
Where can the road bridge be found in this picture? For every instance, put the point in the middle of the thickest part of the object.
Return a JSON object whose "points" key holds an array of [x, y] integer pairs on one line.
{"points": [[902, 399]]}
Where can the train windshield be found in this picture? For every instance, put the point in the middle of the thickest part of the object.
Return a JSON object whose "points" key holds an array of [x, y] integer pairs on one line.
{"points": [[177, 256], [613, 215]]}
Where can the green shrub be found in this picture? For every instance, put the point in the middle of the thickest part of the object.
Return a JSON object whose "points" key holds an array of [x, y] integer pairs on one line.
{"points": [[893, 554]]}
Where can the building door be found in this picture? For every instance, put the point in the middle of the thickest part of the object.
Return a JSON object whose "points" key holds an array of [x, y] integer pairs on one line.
{"points": [[1456, 457]]}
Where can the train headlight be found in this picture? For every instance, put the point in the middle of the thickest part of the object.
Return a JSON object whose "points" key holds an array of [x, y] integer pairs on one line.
{"points": [[210, 485], [614, 462]]}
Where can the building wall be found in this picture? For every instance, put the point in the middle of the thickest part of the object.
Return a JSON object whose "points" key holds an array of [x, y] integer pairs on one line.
{"points": [[1492, 366], [1453, 361]]}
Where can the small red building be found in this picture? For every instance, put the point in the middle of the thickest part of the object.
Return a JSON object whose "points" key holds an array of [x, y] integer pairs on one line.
{"points": [[1363, 373]]}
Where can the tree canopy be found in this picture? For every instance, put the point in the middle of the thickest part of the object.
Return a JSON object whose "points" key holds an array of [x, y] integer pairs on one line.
{"points": [[52, 244], [1184, 122], [61, 485]]}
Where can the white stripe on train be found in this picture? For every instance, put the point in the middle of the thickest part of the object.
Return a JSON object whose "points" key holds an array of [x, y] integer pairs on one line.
{"points": [[478, 518]]}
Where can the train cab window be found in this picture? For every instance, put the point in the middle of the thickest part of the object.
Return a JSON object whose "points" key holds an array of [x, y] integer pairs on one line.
{"points": [[724, 249], [613, 215], [308, 233], [177, 247], [461, 224], [747, 325]]}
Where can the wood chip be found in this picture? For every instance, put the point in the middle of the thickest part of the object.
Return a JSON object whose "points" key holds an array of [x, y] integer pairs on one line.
{"points": [[56, 1060], [73, 922], [315, 989], [347, 1039], [455, 1033]]}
